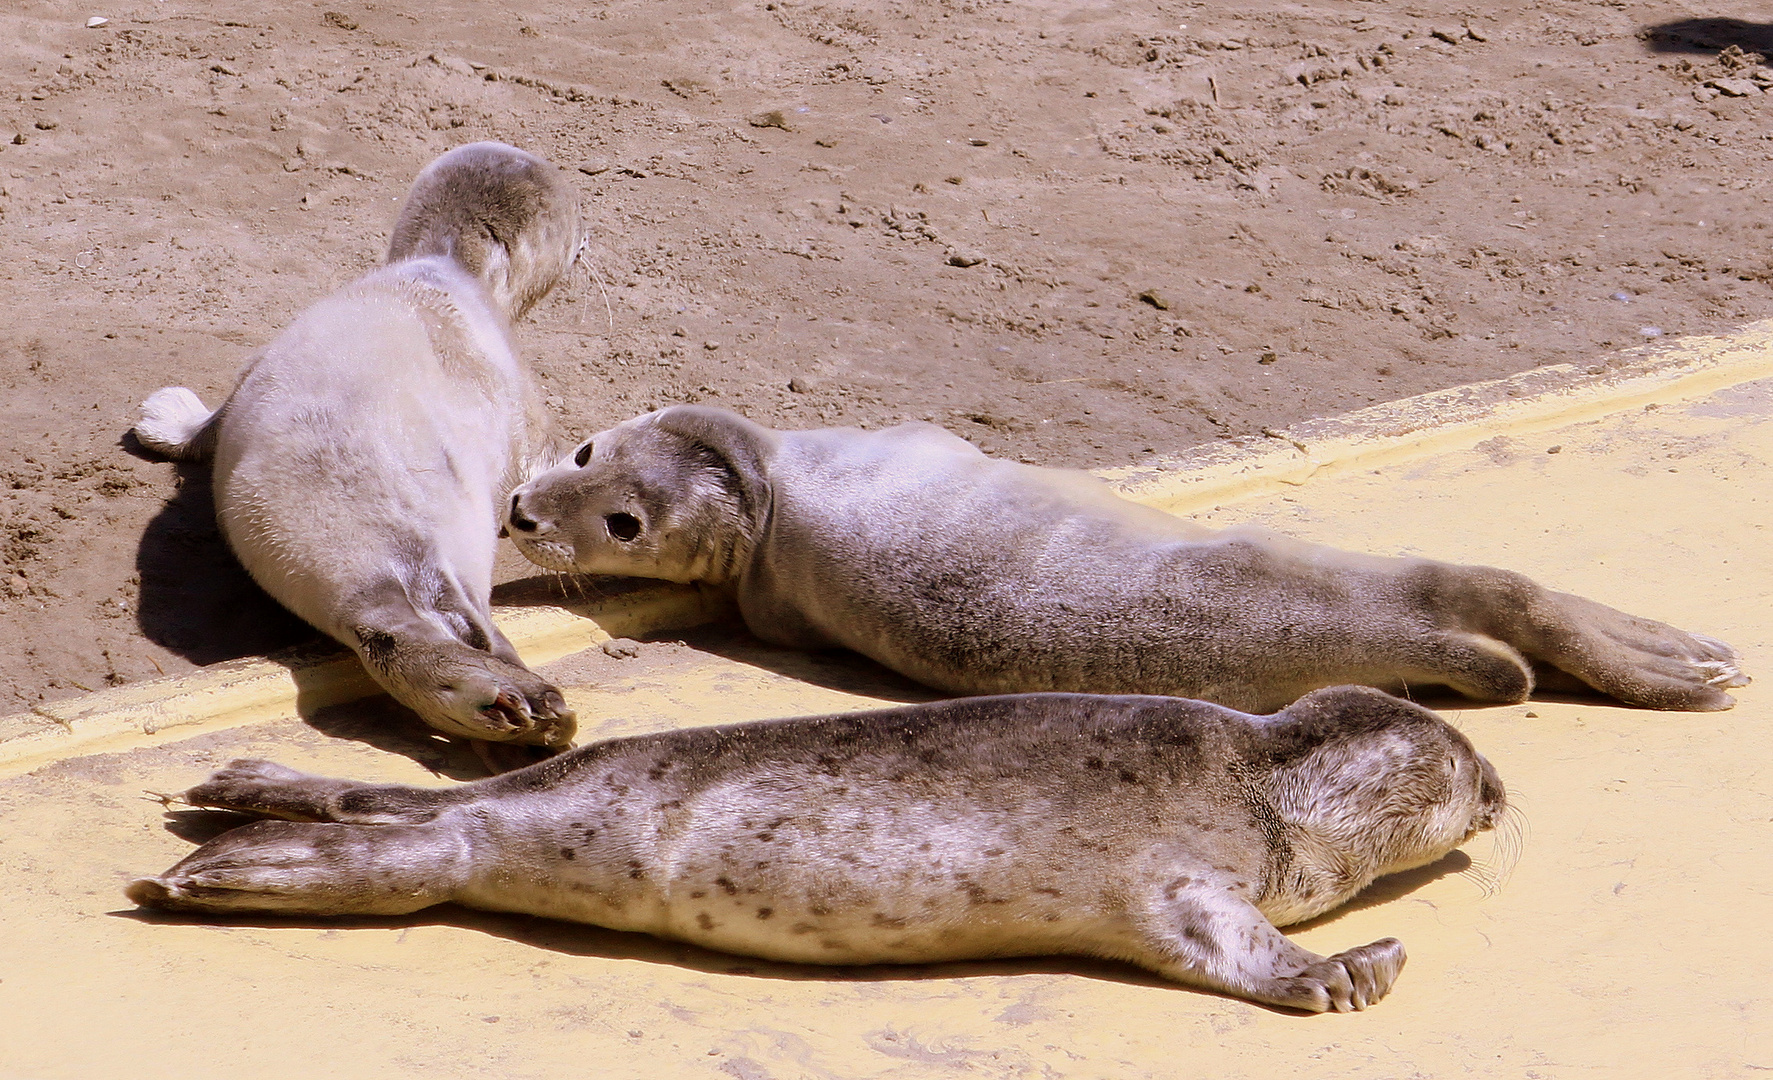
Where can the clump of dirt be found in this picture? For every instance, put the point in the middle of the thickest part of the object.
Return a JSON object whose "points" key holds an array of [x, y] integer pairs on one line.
{"points": [[1074, 234]]}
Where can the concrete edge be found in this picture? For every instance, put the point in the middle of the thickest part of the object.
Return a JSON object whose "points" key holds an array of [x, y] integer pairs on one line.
{"points": [[311, 677], [1453, 419]]}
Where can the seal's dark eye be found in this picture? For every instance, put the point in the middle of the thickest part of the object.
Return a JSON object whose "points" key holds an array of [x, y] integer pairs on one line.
{"points": [[582, 456], [623, 527]]}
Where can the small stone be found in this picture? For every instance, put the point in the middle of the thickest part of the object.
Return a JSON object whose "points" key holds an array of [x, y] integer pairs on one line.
{"points": [[96, 21], [1268, 358], [48, 125], [1452, 35], [453, 63], [223, 69], [978, 142], [965, 258], [1532, 715], [1649, 331], [1734, 87], [621, 648], [826, 143], [1155, 299], [1475, 34], [1558, 449], [802, 384], [774, 118], [338, 19], [19, 139], [953, 180], [710, 345]]}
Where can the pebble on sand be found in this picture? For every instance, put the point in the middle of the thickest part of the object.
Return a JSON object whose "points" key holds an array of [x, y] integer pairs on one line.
{"points": [[1734, 87]]}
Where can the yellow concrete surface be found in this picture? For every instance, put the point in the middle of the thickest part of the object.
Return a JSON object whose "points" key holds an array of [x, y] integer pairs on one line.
{"points": [[1626, 942]]}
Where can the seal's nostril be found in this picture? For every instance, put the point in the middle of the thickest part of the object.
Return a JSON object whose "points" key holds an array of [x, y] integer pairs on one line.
{"points": [[518, 521]]}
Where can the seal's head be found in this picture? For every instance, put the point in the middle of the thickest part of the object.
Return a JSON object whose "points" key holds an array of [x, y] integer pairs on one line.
{"points": [[503, 214], [677, 494], [1366, 784]]}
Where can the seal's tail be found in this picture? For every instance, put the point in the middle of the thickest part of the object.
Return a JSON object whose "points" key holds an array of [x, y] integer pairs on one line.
{"points": [[175, 423]]}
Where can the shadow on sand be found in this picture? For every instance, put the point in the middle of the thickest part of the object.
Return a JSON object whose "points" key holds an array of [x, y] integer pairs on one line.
{"points": [[196, 598], [1708, 36], [577, 939]]}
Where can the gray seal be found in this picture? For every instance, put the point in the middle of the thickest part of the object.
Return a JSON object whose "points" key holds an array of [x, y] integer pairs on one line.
{"points": [[979, 576], [1172, 834], [362, 460]]}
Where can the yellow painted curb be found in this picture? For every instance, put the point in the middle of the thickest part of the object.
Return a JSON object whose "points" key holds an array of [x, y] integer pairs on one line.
{"points": [[301, 680], [1453, 419], [306, 678]]}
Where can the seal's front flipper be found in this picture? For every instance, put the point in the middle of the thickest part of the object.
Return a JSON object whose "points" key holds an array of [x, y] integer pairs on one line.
{"points": [[1202, 934], [263, 787], [301, 868], [455, 687]]}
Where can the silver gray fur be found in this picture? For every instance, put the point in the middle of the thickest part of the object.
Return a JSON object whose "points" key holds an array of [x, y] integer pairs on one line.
{"points": [[362, 460], [980, 576], [1172, 834]]}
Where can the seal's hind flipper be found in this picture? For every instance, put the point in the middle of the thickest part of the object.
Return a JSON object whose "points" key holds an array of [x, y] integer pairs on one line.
{"points": [[269, 789], [304, 868], [175, 423]]}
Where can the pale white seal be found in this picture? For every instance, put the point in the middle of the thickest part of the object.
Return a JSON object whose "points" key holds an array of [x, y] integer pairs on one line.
{"points": [[1172, 834], [362, 459], [980, 576]]}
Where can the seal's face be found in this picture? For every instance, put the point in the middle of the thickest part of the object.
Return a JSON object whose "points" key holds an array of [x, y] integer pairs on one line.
{"points": [[638, 500], [1368, 784]]}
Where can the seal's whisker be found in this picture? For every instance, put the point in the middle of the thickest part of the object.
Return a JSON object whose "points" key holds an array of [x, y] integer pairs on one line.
{"points": [[1507, 838], [1482, 876], [582, 257]]}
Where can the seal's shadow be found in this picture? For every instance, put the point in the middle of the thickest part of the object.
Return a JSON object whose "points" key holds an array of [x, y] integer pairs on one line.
{"points": [[1391, 887], [576, 939], [579, 939], [833, 669], [1708, 36], [725, 637], [196, 599]]}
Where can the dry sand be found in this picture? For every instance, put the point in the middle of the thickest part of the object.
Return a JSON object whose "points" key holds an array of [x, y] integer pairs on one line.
{"points": [[1322, 205]]}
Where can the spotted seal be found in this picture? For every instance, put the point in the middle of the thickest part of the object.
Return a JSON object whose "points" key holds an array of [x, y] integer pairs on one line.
{"points": [[978, 576], [362, 459], [1172, 834]]}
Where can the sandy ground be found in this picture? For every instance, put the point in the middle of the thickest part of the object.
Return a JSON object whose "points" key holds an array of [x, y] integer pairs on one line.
{"points": [[1624, 943], [1077, 233]]}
